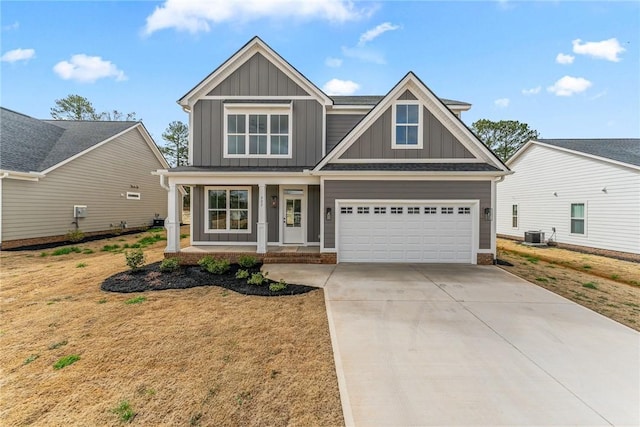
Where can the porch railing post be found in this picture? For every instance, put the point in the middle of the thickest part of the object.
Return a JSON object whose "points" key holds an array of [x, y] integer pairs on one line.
{"points": [[172, 223], [262, 219]]}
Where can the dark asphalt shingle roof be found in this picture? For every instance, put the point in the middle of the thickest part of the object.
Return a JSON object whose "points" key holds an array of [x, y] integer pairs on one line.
{"points": [[622, 150], [374, 99], [411, 167], [32, 145], [240, 168]]}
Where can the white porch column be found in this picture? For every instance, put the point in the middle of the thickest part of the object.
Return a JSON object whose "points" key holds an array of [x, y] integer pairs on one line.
{"points": [[172, 222], [262, 219]]}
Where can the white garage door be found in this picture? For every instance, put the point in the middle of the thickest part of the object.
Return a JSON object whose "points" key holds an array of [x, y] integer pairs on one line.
{"points": [[405, 232]]}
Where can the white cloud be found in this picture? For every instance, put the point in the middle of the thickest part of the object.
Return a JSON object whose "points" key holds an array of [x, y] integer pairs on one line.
{"points": [[16, 55], [340, 87], [10, 27], [363, 54], [371, 34], [568, 86], [533, 91], [197, 15], [606, 49], [502, 102], [565, 59], [333, 62], [87, 69]]}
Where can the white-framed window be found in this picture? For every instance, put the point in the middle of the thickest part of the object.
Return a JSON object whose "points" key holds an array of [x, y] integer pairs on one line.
{"points": [[514, 216], [257, 131], [133, 196], [227, 209], [407, 125], [578, 218]]}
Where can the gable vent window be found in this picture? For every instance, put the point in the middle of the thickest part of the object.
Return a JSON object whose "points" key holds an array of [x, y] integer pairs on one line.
{"points": [[446, 211], [257, 132], [379, 210], [407, 129], [464, 211], [430, 210], [363, 210], [346, 210]]}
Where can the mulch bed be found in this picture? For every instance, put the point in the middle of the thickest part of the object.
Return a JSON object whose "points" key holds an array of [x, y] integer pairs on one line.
{"points": [[150, 278]]}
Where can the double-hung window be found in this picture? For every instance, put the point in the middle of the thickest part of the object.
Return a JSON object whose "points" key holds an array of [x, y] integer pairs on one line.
{"points": [[258, 131], [407, 125], [514, 216], [578, 218], [228, 210]]}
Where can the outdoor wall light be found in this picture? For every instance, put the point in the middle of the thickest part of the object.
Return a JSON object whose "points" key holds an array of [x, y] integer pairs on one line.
{"points": [[604, 190], [327, 215], [274, 201], [488, 214]]}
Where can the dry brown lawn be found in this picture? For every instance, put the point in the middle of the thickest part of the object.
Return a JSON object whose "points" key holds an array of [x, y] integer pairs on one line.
{"points": [[608, 286], [201, 356]]}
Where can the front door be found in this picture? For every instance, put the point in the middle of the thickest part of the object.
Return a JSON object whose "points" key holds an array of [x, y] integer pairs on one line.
{"points": [[293, 217]]}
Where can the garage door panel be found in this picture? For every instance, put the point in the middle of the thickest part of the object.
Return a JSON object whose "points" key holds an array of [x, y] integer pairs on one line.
{"points": [[392, 232]]}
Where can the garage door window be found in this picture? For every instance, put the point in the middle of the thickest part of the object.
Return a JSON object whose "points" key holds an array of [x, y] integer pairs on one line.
{"points": [[346, 210], [379, 210], [363, 210], [464, 211], [396, 210], [430, 210], [446, 211]]}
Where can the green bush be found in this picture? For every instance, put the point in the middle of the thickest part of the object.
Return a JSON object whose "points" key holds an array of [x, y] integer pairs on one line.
{"points": [[278, 286], [257, 279], [75, 235], [169, 264], [213, 265], [135, 259], [247, 261], [242, 274]]}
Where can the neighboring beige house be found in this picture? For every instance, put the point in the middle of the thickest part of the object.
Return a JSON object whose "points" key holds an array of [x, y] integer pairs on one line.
{"points": [[59, 175]]}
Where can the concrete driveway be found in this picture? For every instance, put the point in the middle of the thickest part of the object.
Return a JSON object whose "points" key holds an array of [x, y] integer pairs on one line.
{"points": [[449, 345]]}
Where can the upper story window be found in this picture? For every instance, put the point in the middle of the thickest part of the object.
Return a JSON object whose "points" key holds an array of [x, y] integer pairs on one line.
{"points": [[407, 125], [260, 131]]}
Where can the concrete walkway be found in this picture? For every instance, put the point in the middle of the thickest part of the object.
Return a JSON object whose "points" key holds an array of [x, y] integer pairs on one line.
{"points": [[471, 345]]}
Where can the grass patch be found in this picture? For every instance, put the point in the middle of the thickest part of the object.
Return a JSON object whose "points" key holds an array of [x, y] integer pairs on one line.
{"points": [[66, 251], [65, 361], [586, 267], [124, 411], [150, 240], [110, 248], [542, 279], [58, 345], [136, 300], [183, 236], [81, 265], [615, 276], [102, 301], [590, 285], [43, 254], [532, 259], [30, 359], [632, 304]]}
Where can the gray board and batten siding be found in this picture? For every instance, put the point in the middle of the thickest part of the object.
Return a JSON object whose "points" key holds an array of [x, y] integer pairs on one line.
{"points": [[408, 190], [438, 142], [98, 179], [273, 217]]}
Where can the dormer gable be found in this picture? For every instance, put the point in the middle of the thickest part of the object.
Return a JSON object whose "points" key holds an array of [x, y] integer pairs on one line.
{"points": [[411, 125]]}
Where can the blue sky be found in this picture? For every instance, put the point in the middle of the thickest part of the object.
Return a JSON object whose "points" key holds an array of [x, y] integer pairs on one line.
{"points": [[568, 69]]}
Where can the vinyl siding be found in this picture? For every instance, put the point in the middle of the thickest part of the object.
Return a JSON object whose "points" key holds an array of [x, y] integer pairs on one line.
{"points": [[199, 219], [98, 179], [208, 134], [273, 216], [338, 125], [258, 77], [438, 142], [612, 219], [313, 213], [409, 190]]}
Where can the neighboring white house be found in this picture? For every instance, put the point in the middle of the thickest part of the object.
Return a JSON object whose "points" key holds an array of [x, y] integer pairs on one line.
{"points": [[583, 192]]}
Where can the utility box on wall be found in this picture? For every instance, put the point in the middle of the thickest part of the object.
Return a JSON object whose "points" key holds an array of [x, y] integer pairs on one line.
{"points": [[79, 211]]}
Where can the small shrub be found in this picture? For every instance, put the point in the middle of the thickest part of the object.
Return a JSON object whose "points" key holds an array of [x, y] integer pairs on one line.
{"points": [[257, 279], [30, 359], [135, 259], [242, 274], [58, 345], [214, 266], [278, 286], [66, 361], [590, 285], [75, 235], [124, 411], [247, 261], [66, 251], [136, 300], [81, 265], [169, 265]]}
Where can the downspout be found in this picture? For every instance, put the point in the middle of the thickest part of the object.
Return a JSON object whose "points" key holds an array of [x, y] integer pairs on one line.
{"points": [[2, 177]]}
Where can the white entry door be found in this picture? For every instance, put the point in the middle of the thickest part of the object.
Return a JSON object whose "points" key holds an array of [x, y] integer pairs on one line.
{"points": [[293, 221]]}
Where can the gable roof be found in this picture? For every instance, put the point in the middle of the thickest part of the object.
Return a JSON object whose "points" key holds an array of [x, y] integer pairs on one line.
{"points": [[255, 45], [435, 105], [32, 145], [374, 99], [616, 150]]}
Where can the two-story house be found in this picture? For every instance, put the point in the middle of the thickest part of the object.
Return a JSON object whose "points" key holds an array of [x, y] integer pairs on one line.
{"points": [[274, 161]]}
